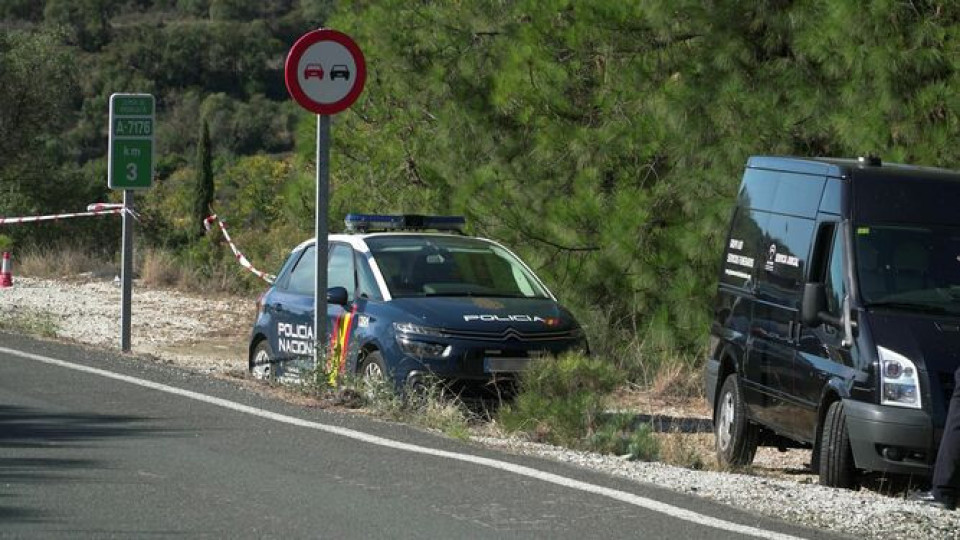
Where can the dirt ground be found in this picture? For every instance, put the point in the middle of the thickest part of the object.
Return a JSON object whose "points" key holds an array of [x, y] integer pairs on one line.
{"points": [[685, 430]]}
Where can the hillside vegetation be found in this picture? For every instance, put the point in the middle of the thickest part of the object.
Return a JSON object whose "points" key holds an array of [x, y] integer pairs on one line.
{"points": [[602, 140]]}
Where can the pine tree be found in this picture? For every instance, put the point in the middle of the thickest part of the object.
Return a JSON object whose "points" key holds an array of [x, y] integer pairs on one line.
{"points": [[203, 188]]}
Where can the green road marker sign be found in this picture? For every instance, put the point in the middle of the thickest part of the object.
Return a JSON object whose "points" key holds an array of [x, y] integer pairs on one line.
{"points": [[130, 150]]}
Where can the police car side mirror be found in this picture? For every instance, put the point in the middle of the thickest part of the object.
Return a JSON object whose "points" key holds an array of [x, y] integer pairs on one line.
{"points": [[338, 296]]}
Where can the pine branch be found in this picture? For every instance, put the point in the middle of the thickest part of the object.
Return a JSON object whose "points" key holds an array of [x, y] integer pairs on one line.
{"points": [[526, 233]]}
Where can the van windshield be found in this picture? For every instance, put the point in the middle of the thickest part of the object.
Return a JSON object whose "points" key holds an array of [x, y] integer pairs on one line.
{"points": [[911, 267], [451, 266]]}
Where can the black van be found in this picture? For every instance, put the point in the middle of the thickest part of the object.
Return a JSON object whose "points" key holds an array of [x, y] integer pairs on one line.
{"points": [[837, 322]]}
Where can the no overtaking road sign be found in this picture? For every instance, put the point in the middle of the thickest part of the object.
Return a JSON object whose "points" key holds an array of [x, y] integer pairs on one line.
{"points": [[325, 71], [130, 151]]}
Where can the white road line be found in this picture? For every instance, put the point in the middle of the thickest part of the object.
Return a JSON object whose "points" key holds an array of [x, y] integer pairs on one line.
{"points": [[623, 496]]}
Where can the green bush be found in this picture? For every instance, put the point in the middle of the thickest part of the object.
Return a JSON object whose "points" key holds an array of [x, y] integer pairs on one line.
{"points": [[561, 402], [617, 435], [571, 374], [429, 405], [642, 445], [561, 399], [612, 437]]}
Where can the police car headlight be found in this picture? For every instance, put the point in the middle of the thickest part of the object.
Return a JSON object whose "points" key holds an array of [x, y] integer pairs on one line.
{"points": [[899, 381], [422, 349], [416, 329], [408, 335]]}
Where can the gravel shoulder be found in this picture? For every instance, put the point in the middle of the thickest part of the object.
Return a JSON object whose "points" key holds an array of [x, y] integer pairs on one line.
{"points": [[209, 334], [203, 333]]}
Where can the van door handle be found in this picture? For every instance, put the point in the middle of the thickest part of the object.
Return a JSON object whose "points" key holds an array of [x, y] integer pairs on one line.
{"points": [[278, 307]]}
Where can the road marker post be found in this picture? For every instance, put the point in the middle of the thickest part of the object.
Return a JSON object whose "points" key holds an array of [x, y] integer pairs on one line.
{"points": [[6, 274], [324, 72], [130, 167]]}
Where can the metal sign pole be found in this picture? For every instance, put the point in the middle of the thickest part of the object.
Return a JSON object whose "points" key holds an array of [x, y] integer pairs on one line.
{"points": [[126, 271], [130, 152], [320, 268], [303, 75]]}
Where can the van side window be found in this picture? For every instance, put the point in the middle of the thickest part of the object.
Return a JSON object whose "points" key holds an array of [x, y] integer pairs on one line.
{"points": [[340, 269], [782, 192], [742, 250], [830, 203], [786, 250], [836, 288], [302, 277]]}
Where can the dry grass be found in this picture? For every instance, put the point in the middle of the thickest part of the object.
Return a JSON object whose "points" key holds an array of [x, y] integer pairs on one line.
{"points": [[645, 401], [158, 268], [429, 406], [680, 415], [63, 260], [226, 280], [690, 450], [677, 379], [161, 269]]}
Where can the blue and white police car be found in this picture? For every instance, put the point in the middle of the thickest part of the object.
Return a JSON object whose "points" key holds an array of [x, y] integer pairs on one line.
{"points": [[411, 296]]}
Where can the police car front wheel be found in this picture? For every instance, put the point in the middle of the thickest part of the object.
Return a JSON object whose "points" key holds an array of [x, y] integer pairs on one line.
{"points": [[372, 368], [261, 365]]}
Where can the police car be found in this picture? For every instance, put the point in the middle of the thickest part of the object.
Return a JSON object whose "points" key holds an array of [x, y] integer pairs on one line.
{"points": [[410, 297]]}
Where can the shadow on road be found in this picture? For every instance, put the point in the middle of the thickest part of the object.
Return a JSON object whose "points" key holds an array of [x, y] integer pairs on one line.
{"points": [[676, 424], [662, 423], [25, 431], [22, 427]]}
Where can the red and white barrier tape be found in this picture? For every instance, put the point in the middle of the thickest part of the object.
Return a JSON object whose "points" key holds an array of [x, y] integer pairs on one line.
{"points": [[269, 278], [99, 209], [96, 207]]}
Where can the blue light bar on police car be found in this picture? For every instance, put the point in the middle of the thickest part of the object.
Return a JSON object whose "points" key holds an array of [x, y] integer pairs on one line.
{"points": [[407, 222]]}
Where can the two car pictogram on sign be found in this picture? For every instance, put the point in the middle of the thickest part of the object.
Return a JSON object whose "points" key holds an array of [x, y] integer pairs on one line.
{"points": [[338, 71]]}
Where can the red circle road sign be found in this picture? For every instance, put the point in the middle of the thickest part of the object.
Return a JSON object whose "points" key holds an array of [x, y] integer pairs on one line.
{"points": [[325, 71]]}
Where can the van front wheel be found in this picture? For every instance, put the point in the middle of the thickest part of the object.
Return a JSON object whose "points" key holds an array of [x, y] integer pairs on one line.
{"points": [[736, 437], [837, 467]]}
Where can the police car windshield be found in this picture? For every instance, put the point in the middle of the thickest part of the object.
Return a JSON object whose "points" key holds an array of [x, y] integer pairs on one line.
{"points": [[910, 267], [417, 265]]}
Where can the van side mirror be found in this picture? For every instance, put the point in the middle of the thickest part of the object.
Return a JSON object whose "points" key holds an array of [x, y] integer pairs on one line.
{"points": [[848, 323], [338, 296], [814, 301], [813, 310]]}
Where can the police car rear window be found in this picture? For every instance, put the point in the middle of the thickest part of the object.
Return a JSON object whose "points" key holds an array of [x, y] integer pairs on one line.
{"points": [[451, 266]]}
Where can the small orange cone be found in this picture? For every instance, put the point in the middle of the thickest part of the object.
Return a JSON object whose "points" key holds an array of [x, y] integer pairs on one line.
{"points": [[6, 277]]}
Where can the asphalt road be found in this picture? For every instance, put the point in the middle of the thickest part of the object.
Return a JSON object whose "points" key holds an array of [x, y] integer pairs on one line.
{"points": [[84, 455]]}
